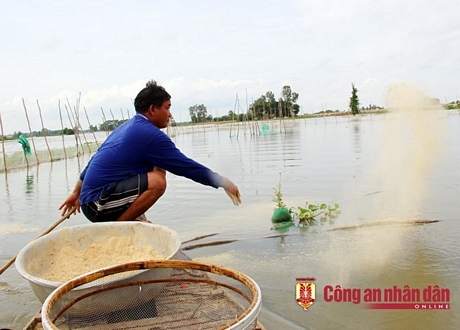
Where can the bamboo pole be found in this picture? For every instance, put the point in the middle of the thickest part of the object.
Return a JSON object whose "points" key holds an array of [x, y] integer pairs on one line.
{"points": [[113, 118], [244, 118], [233, 117], [84, 136], [280, 113], [90, 127], [77, 116], [73, 129], [44, 132], [255, 121], [62, 129], [104, 120], [175, 129], [27, 159], [199, 237], [386, 223], [3, 144], [31, 135], [238, 117], [77, 124], [231, 240]]}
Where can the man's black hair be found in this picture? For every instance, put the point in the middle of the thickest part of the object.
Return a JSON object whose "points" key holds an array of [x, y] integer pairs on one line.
{"points": [[151, 94]]}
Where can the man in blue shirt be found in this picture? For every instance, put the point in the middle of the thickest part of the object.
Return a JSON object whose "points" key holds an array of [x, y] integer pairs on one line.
{"points": [[127, 174]]}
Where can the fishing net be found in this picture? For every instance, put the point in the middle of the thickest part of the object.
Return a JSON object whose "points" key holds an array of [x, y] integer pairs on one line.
{"points": [[18, 159], [167, 294], [25, 152]]}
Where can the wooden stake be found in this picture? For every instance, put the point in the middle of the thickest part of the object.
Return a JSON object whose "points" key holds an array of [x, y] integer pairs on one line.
{"points": [[3, 144], [77, 116], [90, 127], [44, 132], [113, 118], [62, 129], [73, 128], [198, 237], [226, 241], [77, 124], [104, 120], [385, 223], [31, 135]]}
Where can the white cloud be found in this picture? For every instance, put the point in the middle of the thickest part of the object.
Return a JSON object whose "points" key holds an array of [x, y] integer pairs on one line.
{"points": [[210, 51]]}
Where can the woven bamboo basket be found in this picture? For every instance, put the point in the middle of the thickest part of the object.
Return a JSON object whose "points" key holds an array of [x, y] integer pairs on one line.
{"points": [[195, 296]]}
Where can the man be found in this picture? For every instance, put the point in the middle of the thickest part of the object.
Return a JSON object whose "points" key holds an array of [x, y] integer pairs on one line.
{"points": [[127, 174]]}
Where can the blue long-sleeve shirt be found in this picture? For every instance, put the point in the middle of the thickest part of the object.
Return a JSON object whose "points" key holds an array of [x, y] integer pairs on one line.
{"points": [[136, 147]]}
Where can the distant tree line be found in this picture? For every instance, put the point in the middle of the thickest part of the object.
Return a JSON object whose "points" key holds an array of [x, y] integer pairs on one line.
{"points": [[266, 106]]}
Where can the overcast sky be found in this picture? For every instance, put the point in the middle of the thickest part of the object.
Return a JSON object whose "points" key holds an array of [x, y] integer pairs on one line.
{"points": [[211, 51]]}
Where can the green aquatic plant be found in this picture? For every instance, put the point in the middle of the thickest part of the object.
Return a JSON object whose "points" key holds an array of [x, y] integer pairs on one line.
{"points": [[281, 213], [310, 212], [284, 218], [278, 199]]}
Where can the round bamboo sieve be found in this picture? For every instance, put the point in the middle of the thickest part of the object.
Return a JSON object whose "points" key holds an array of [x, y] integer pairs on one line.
{"points": [[195, 295]]}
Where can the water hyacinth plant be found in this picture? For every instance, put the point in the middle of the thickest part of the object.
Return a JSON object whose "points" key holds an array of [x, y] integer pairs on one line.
{"points": [[307, 215]]}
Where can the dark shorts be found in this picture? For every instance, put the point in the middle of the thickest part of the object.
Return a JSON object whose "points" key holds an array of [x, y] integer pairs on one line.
{"points": [[115, 199]]}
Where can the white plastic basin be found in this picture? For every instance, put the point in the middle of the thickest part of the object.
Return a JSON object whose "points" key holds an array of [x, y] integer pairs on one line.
{"points": [[33, 261]]}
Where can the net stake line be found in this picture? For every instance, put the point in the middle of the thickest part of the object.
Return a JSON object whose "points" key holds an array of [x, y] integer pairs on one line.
{"points": [[54, 225], [379, 223]]}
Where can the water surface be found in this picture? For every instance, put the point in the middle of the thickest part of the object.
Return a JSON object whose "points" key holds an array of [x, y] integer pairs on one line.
{"points": [[373, 176]]}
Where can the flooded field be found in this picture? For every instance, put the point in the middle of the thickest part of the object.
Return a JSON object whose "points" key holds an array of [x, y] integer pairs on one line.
{"points": [[386, 170]]}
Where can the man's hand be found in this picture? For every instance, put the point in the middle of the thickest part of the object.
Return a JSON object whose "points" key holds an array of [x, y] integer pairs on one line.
{"points": [[71, 201], [232, 191]]}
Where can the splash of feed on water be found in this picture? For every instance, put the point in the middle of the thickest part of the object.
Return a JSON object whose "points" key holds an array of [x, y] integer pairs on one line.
{"points": [[410, 145]]}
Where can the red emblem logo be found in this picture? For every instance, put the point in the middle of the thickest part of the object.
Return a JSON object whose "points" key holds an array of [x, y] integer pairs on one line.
{"points": [[305, 294]]}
